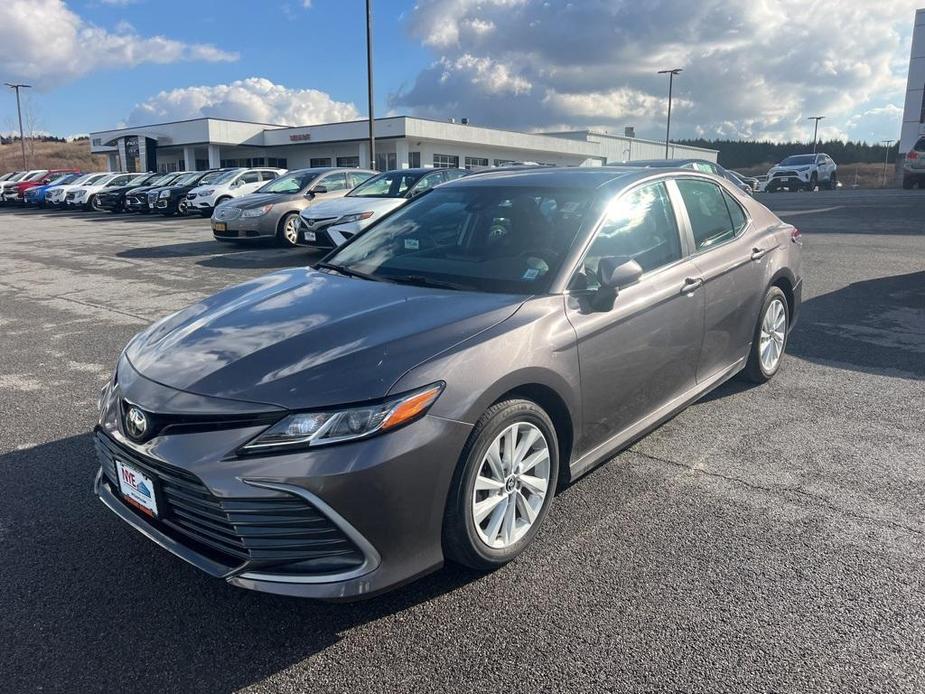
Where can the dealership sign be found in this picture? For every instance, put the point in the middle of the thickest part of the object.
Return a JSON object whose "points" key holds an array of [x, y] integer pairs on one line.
{"points": [[300, 137]]}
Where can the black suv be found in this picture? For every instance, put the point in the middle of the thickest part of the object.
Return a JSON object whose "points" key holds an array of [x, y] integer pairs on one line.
{"points": [[172, 199], [136, 199], [113, 199]]}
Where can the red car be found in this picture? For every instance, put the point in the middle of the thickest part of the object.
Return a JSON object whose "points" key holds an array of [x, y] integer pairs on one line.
{"points": [[15, 194]]}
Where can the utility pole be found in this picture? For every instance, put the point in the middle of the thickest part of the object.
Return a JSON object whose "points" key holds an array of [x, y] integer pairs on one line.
{"points": [[369, 81], [22, 139], [886, 160], [671, 73], [816, 129]]}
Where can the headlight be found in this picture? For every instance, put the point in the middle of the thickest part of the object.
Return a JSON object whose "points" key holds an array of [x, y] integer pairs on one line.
{"points": [[205, 192], [257, 211], [335, 426], [164, 194], [347, 218]]}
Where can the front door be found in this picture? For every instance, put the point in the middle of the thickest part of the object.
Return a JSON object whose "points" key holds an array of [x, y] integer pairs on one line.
{"points": [[729, 255], [642, 353]]}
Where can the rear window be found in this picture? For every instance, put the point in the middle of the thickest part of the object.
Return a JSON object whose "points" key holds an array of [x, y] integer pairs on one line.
{"points": [[920, 145]]}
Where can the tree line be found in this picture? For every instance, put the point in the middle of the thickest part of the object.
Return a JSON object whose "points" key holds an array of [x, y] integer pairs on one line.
{"points": [[741, 154]]}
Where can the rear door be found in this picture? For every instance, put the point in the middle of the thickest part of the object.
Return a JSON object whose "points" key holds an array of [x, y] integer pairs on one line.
{"points": [[246, 183], [729, 255], [643, 352]]}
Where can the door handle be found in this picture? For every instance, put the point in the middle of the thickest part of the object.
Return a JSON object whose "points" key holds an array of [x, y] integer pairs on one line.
{"points": [[758, 253], [691, 285]]}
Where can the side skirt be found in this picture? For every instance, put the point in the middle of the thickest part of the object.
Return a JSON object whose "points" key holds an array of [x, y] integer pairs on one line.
{"points": [[636, 431]]}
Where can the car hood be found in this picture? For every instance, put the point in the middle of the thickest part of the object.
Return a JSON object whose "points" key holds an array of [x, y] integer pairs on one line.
{"points": [[302, 338], [253, 200], [119, 190], [348, 205]]}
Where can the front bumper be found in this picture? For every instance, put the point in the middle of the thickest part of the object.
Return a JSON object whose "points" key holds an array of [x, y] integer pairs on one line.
{"points": [[246, 228], [385, 494]]}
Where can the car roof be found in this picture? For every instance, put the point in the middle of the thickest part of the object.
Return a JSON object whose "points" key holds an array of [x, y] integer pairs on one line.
{"points": [[665, 163], [588, 177]]}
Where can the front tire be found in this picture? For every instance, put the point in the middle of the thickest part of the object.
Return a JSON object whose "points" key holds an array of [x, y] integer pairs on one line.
{"points": [[287, 232], [813, 183], [93, 204], [770, 338], [503, 485]]}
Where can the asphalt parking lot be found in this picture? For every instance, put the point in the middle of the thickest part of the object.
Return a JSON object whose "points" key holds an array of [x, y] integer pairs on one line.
{"points": [[769, 538]]}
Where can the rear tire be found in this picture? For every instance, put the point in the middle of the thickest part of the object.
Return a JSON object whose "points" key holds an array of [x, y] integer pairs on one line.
{"points": [[769, 341], [503, 486], [908, 182], [287, 231]]}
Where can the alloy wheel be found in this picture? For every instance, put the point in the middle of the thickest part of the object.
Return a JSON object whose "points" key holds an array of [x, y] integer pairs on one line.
{"points": [[773, 332], [511, 485], [291, 230]]}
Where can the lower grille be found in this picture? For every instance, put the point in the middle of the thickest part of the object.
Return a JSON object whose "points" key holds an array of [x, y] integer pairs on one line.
{"points": [[286, 533]]}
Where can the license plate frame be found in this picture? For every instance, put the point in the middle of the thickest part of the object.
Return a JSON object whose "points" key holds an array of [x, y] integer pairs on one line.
{"points": [[309, 236], [137, 488], [219, 226]]}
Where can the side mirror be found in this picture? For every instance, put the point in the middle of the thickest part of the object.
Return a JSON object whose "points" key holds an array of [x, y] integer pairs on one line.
{"points": [[616, 272], [319, 190]]}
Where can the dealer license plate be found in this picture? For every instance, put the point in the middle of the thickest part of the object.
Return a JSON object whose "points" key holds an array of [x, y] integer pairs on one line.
{"points": [[137, 488]]}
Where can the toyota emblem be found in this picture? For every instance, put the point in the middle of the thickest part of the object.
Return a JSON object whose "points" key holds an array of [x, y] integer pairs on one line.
{"points": [[136, 423]]}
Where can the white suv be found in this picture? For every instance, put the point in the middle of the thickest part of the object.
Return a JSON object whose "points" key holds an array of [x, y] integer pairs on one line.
{"points": [[803, 171], [914, 165], [84, 196], [231, 184]]}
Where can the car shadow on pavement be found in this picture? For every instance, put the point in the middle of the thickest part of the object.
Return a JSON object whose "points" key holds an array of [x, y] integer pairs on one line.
{"points": [[215, 254], [875, 326], [89, 604]]}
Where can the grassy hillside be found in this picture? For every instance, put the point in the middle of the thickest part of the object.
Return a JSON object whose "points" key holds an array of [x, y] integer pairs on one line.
{"points": [[51, 155]]}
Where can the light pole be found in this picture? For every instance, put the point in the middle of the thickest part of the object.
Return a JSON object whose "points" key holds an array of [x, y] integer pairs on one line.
{"points": [[22, 139], [886, 160], [671, 73], [815, 129], [369, 81]]}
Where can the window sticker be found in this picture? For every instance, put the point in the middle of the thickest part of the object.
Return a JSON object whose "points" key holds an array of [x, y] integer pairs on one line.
{"points": [[412, 244], [531, 273]]}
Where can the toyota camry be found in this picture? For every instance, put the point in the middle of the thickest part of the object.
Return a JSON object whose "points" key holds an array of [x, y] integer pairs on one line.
{"points": [[420, 394]]}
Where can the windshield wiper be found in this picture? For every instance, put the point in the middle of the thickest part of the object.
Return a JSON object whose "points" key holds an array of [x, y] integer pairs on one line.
{"points": [[422, 281], [348, 272]]}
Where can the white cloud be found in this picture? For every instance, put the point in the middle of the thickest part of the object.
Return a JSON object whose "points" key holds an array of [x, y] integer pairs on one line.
{"points": [[253, 99], [45, 43], [755, 69]]}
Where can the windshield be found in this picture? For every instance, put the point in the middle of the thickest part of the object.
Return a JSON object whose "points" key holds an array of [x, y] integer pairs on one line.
{"points": [[18, 177], [188, 179], [214, 176], [63, 178], [221, 176], [34, 177], [489, 239], [393, 184], [96, 178], [799, 160], [290, 183]]}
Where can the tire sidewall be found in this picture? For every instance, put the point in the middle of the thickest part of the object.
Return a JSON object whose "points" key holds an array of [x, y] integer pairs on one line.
{"points": [[511, 411], [772, 294], [281, 231]]}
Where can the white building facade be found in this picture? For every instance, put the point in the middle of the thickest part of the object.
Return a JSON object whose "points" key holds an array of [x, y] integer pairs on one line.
{"points": [[914, 110], [401, 142]]}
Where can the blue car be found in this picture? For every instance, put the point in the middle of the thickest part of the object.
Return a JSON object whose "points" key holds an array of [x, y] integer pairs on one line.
{"points": [[35, 197]]}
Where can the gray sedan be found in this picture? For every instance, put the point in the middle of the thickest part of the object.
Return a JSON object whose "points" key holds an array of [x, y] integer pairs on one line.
{"points": [[272, 211], [419, 395]]}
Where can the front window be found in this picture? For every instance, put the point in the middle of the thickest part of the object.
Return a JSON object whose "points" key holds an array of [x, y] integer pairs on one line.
{"points": [[799, 160], [388, 185], [485, 238], [225, 176], [639, 225], [189, 179], [446, 161], [290, 183]]}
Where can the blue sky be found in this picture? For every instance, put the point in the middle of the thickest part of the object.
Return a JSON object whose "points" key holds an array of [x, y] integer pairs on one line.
{"points": [[752, 70]]}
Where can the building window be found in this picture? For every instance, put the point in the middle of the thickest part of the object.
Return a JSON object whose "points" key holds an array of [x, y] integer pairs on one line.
{"points": [[258, 161], [97, 142], [504, 162], [446, 161], [473, 162], [349, 162], [319, 162], [386, 161], [277, 163], [414, 160], [202, 164]]}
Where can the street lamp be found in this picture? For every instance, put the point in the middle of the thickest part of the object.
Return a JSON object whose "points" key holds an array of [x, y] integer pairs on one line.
{"points": [[369, 81], [671, 73], [886, 160], [22, 139], [816, 129]]}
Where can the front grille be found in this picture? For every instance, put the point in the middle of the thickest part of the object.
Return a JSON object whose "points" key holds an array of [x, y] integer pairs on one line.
{"points": [[226, 213], [784, 173], [152, 197], [71, 196], [284, 532]]}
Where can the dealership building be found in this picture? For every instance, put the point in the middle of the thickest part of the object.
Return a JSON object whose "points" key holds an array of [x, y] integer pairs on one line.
{"points": [[914, 110], [401, 142]]}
